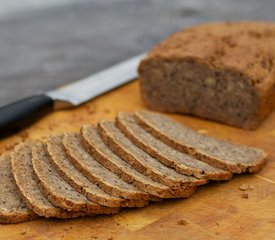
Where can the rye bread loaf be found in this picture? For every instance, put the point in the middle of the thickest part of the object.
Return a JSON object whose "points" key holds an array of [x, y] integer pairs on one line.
{"points": [[58, 191], [101, 176], [219, 71], [182, 162], [142, 161], [12, 207], [218, 153], [28, 187], [75, 178], [104, 155]]}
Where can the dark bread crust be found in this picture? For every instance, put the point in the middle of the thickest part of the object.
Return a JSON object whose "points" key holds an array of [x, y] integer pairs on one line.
{"points": [[13, 209], [219, 71], [142, 161], [58, 191], [100, 175], [114, 163], [75, 178], [46, 176], [182, 162], [218, 153], [28, 186]]}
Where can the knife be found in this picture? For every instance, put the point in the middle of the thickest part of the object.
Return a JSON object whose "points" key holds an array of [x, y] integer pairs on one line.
{"points": [[20, 113]]}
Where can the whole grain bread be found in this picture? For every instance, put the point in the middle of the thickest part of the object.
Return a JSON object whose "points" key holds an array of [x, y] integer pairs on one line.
{"points": [[142, 161], [95, 172], [75, 178], [218, 153], [58, 191], [104, 155], [182, 162], [28, 187], [114, 165], [12, 207], [219, 71]]}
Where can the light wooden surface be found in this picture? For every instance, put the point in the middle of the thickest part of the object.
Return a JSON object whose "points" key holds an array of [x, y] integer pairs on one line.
{"points": [[215, 211]]}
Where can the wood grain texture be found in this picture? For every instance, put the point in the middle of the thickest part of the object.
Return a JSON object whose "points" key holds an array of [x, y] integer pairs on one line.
{"points": [[215, 211]]}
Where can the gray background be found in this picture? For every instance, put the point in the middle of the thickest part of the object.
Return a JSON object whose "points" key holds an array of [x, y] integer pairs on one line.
{"points": [[46, 43]]}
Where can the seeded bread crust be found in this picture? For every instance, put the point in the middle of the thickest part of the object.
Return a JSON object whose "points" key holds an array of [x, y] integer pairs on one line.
{"points": [[58, 191], [182, 162], [218, 153], [114, 163], [12, 207], [101, 176], [28, 187], [219, 71], [75, 178]]}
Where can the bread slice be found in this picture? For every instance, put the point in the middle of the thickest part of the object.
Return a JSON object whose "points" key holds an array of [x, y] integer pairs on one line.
{"points": [[12, 207], [142, 161], [75, 178], [218, 153], [59, 191], [220, 71], [103, 154], [182, 162], [101, 176], [28, 187]]}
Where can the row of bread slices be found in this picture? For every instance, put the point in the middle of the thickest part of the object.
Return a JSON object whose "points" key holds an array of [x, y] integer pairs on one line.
{"points": [[139, 158]]}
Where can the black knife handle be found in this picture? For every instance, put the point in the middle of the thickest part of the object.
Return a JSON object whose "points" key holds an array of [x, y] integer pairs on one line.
{"points": [[21, 113]]}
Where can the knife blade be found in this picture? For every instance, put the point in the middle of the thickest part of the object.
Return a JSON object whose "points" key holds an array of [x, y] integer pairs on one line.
{"points": [[20, 113]]}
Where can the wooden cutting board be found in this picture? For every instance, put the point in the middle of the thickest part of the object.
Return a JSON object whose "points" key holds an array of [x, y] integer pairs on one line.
{"points": [[216, 211]]}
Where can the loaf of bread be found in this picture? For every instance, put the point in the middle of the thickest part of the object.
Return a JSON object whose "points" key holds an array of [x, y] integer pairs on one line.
{"points": [[218, 71], [130, 162]]}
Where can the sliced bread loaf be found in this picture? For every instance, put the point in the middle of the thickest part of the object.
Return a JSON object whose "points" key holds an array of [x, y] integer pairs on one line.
{"points": [[182, 162], [12, 207], [75, 178], [103, 154], [140, 160], [95, 172], [218, 153], [29, 189], [59, 191]]}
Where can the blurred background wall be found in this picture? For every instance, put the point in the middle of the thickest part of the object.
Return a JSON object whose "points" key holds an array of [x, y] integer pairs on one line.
{"points": [[46, 43]]}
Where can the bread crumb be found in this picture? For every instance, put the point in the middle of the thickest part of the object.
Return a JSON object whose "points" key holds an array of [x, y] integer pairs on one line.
{"points": [[11, 146], [182, 222], [105, 110], [244, 195], [245, 187], [91, 110], [110, 238], [23, 233], [202, 131], [24, 135]]}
